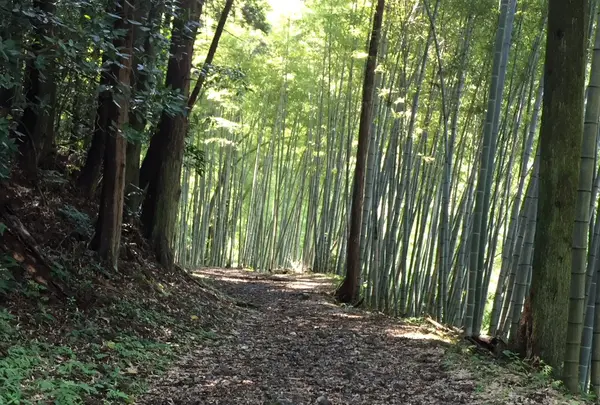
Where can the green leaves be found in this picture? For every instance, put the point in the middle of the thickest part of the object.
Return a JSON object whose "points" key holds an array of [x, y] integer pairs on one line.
{"points": [[76, 373], [194, 158], [8, 49], [253, 13], [80, 220]]}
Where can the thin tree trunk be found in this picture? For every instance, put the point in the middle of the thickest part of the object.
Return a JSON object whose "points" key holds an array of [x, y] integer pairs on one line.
{"points": [[350, 289], [211, 54]]}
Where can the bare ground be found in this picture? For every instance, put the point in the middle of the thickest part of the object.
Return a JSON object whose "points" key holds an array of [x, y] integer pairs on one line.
{"points": [[292, 345]]}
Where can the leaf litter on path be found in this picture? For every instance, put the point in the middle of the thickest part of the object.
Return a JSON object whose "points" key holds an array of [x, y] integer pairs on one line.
{"points": [[292, 345], [296, 347]]}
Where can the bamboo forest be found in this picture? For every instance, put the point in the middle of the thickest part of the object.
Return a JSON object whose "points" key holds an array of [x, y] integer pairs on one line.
{"points": [[287, 202]]}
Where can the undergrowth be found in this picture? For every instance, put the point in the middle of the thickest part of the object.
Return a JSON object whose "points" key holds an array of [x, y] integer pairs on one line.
{"points": [[100, 356], [104, 355], [509, 379], [85, 350], [88, 335]]}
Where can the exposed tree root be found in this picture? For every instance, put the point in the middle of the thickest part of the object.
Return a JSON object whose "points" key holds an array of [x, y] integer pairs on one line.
{"points": [[19, 244]]}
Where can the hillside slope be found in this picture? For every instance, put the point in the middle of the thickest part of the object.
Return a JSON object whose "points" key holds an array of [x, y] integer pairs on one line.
{"points": [[72, 331]]}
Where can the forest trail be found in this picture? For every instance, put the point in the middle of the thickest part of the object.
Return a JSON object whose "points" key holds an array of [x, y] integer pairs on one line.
{"points": [[294, 346]]}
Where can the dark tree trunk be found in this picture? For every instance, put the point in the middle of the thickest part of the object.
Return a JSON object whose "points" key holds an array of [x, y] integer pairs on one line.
{"points": [[150, 163], [349, 291], [140, 81], [110, 216], [161, 170], [151, 160], [132, 174], [560, 143], [10, 29], [36, 128], [6, 101], [90, 174], [6, 96], [211, 54]]}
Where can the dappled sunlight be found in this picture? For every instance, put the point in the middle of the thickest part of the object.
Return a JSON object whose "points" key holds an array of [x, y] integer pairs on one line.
{"points": [[230, 276], [416, 335], [348, 316], [225, 382], [304, 285], [297, 266], [331, 305], [227, 279], [308, 282], [321, 276], [236, 280]]}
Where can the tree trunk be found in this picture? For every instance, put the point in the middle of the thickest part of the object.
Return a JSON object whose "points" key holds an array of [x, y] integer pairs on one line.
{"points": [[582, 224], [350, 289], [36, 127], [110, 216], [159, 209], [140, 81], [211, 54], [479, 229], [90, 173], [560, 142], [132, 173]]}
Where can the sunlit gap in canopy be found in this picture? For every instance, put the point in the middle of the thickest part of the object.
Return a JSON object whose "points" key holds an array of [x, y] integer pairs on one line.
{"points": [[284, 9]]}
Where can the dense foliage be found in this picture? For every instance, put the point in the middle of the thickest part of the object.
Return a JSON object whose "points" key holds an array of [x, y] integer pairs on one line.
{"points": [[230, 131]]}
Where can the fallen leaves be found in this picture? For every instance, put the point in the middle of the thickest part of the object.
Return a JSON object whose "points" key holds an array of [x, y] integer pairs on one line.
{"points": [[297, 348]]}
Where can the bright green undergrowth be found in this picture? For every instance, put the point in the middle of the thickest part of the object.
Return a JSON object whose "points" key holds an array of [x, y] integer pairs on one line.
{"points": [[105, 356]]}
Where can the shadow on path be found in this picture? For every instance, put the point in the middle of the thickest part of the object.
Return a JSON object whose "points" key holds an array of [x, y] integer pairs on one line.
{"points": [[295, 345]]}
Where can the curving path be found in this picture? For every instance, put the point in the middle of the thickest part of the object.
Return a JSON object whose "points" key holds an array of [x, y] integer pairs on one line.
{"points": [[293, 346]]}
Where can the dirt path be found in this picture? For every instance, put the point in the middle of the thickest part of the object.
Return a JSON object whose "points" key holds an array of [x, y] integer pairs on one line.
{"points": [[295, 347]]}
